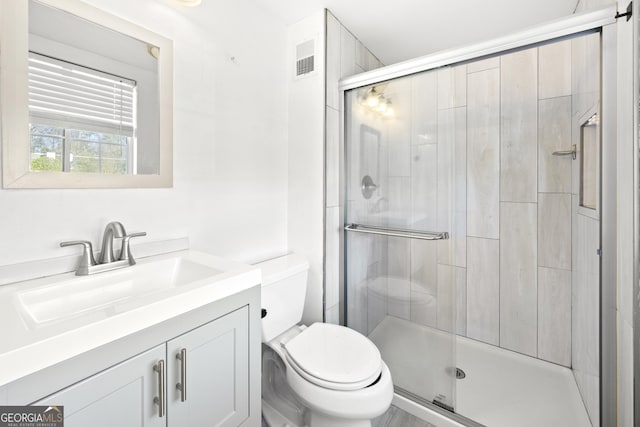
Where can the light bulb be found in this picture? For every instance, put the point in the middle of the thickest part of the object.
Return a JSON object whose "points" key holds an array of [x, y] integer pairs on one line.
{"points": [[382, 104], [373, 98], [389, 111]]}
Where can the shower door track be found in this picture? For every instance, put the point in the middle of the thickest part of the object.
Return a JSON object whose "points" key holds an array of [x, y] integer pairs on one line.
{"points": [[554, 30], [467, 422]]}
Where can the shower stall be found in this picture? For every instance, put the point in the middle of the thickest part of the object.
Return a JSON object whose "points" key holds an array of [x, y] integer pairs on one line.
{"points": [[475, 225]]}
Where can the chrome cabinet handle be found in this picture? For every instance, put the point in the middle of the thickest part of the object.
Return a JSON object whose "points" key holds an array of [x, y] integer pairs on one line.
{"points": [[571, 152], [160, 398], [182, 385]]}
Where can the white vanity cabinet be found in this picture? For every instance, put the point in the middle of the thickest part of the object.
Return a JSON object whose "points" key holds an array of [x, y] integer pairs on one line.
{"points": [[214, 361], [206, 385], [119, 396]]}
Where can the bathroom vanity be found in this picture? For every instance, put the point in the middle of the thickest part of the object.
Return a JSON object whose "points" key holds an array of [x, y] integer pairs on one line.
{"points": [[171, 341]]}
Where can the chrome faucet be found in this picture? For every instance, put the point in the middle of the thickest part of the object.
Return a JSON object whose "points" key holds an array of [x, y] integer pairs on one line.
{"points": [[108, 260], [111, 231]]}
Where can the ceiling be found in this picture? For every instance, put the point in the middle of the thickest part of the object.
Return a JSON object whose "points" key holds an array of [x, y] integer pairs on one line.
{"points": [[397, 30]]}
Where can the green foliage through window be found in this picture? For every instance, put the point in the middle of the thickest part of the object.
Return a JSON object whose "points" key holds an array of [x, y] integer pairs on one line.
{"points": [[85, 150]]}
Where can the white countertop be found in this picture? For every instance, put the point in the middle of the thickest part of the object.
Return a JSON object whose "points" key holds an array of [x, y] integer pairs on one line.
{"points": [[27, 347]]}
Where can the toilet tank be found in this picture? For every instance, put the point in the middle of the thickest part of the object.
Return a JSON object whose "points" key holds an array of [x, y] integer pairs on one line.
{"points": [[284, 286]]}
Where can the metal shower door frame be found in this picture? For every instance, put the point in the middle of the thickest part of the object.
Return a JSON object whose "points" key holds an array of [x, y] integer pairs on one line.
{"points": [[601, 20]]}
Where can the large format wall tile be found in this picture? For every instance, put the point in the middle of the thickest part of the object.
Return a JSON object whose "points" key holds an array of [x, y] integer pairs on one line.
{"points": [[446, 298], [378, 297], [424, 173], [555, 70], [518, 277], [332, 249], [484, 64], [399, 277], [519, 126], [584, 316], [452, 87], [554, 315], [347, 53], [554, 135], [483, 154], [360, 253], [424, 309], [452, 186], [459, 229], [461, 301], [424, 107], [332, 157], [585, 73], [399, 202], [483, 290], [333, 62], [423, 266], [554, 230]]}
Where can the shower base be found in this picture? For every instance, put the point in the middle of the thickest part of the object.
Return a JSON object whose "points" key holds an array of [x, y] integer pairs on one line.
{"points": [[501, 389]]}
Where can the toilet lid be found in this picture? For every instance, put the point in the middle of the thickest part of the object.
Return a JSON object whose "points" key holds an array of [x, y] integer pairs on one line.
{"points": [[334, 357]]}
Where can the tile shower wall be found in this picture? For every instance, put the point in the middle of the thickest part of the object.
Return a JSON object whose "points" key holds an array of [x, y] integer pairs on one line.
{"points": [[511, 200], [522, 257], [346, 56]]}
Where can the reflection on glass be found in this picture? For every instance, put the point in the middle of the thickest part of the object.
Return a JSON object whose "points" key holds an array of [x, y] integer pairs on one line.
{"points": [[590, 148]]}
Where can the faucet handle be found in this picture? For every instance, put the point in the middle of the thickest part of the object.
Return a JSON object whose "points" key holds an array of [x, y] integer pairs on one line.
{"points": [[87, 259], [125, 251]]}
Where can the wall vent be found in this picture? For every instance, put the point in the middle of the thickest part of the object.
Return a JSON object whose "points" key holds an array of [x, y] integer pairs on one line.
{"points": [[305, 58]]}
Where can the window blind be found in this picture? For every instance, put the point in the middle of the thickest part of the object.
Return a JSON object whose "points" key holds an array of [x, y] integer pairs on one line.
{"points": [[80, 96]]}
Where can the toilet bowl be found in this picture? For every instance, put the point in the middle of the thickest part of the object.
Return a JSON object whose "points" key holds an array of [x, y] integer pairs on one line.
{"points": [[323, 375]]}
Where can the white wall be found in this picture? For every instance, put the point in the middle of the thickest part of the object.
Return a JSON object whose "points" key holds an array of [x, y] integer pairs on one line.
{"points": [[230, 145], [306, 159]]}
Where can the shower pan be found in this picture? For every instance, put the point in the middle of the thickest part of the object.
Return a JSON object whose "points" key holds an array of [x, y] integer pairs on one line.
{"points": [[474, 226]]}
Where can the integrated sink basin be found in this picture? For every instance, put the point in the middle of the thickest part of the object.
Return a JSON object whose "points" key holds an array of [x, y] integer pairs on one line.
{"points": [[52, 319], [115, 290]]}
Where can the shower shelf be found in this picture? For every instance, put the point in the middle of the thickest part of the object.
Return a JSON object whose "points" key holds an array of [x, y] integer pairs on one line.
{"points": [[398, 232]]}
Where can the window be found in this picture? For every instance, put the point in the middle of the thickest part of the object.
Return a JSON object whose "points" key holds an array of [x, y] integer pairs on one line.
{"points": [[81, 119]]}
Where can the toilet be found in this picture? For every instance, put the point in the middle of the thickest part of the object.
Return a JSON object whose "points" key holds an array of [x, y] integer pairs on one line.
{"points": [[321, 375]]}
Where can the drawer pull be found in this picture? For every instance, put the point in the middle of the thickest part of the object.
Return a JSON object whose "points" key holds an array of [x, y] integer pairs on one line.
{"points": [[182, 385], [160, 399]]}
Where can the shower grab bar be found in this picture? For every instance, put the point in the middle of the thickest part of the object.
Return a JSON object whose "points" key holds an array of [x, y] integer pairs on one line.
{"points": [[398, 232]]}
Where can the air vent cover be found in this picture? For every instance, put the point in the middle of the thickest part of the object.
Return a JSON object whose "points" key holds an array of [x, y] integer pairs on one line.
{"points": [[305, 58]]}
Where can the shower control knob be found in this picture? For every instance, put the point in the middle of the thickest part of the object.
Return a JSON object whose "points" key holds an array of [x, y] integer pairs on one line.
{"points": [[264, 313]]}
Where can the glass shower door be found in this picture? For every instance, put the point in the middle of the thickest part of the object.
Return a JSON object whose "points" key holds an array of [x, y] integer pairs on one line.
{"points": [[401, 143]]}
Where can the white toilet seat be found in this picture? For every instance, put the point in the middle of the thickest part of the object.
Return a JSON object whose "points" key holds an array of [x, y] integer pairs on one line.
{"points": [[334, 357]]}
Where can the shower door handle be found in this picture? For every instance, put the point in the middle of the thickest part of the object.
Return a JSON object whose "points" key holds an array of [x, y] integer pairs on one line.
{"points": [[398, 232], [572, 152]]}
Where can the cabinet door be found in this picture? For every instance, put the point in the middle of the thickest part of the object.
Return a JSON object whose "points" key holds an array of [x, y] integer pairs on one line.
{"points": [[216, 370], [119, 396]]}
